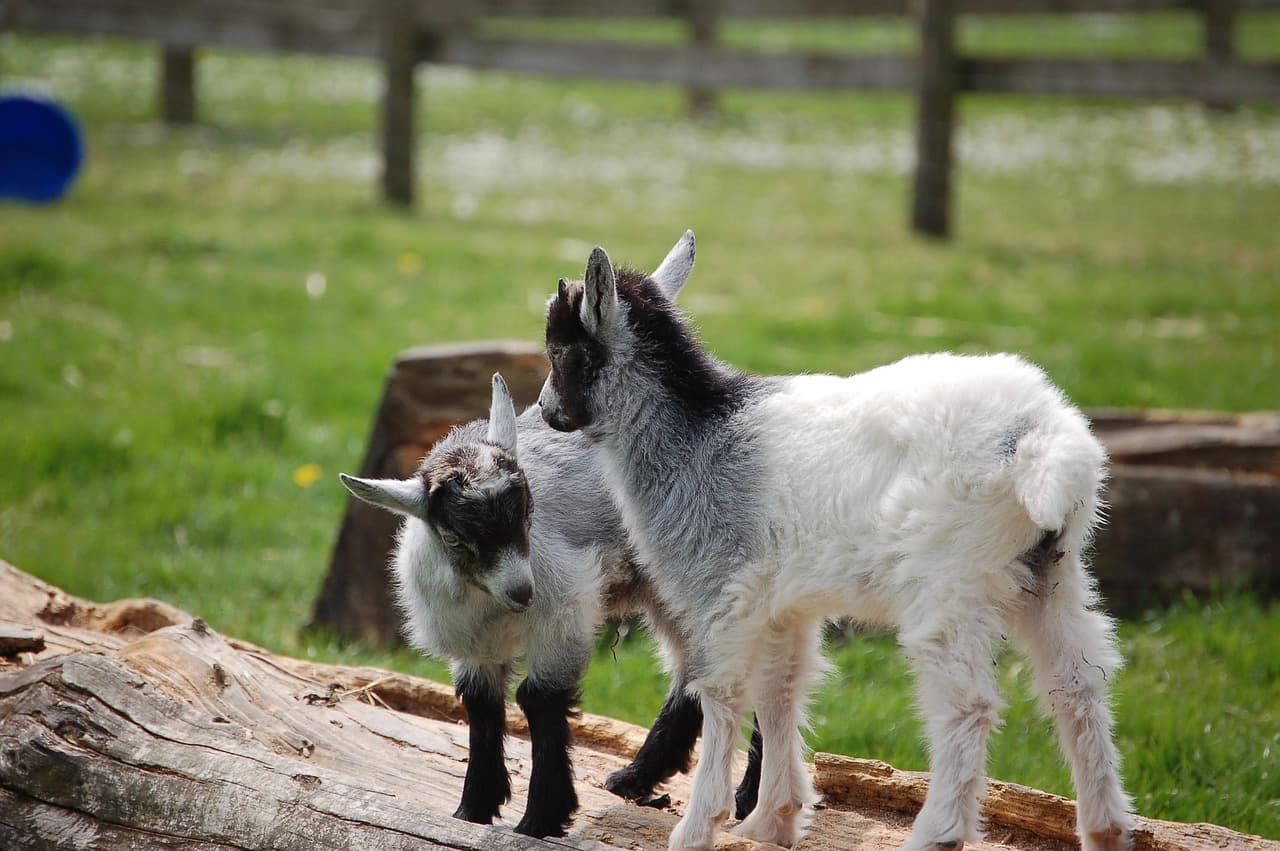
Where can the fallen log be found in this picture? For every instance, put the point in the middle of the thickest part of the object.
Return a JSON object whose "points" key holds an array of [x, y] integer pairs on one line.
{"points": [[136, 725]]}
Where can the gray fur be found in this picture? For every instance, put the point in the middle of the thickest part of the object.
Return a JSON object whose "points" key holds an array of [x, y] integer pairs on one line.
{"points": [[579, 558]]}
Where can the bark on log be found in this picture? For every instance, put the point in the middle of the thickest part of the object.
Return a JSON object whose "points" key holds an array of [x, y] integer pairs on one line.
{"points": [[137, 726]]}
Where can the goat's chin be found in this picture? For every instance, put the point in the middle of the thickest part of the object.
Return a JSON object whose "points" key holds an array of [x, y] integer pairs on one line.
{"points": [[559, 422]]}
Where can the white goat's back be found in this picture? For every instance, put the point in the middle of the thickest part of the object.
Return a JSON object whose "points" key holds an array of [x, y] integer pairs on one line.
{"points": [[933, 454]]}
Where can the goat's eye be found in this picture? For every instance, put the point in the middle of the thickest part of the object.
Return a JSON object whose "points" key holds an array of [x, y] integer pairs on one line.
{"points": [[450, 540]]}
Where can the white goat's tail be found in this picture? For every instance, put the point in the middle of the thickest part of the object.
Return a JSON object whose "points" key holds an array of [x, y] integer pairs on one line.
{"points": [[1058, 468]]}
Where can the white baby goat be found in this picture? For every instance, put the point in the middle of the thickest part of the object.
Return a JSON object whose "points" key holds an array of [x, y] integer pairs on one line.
{"points": [[951, 497]]}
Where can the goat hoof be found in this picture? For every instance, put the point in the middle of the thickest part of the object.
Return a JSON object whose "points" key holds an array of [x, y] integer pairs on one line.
{"points": [[474, 814], [1114, 838], [782, 828], [541, 828], [626, 783], [685, 837], [951, 845]]}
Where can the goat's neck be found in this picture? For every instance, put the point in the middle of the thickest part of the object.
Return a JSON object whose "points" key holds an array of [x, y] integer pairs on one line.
{"points": [[653, 437]]}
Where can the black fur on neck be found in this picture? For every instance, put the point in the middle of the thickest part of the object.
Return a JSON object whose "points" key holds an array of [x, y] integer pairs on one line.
{"points": [[701, 385]]}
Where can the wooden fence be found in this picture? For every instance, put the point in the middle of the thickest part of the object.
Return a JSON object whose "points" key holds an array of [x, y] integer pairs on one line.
{"points": [[403, 33]]}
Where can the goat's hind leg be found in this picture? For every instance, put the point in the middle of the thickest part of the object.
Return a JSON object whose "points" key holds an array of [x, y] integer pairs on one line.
{"points": [[666, 750], [487, 786], [1074, 653], [789, 664]]}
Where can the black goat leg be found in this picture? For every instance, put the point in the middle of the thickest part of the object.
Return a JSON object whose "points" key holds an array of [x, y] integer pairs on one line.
{"points": [[487, 786], [552, 799], [667, 749], [749, 789]]}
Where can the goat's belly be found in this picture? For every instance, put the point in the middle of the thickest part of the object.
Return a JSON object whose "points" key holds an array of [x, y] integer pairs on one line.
{"points": [[829, 578]]}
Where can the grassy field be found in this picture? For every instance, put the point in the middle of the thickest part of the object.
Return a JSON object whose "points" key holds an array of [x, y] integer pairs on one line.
{"points": [[191, 345]]}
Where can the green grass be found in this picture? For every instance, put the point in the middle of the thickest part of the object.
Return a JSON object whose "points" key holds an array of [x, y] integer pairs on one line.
{"points": [[165, 376]]}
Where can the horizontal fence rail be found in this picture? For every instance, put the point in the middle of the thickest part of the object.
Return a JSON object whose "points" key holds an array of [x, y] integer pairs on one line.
{"points": [[404, 33], [784, 9]]}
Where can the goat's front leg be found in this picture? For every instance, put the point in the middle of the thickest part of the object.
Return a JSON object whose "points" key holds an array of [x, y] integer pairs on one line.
{"points": [[951, 656], [552, 799], [711, 798], [789, 661], [487, 786]]}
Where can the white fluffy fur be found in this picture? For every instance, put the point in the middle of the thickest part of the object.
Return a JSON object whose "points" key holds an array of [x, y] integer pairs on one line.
{"points": [[906, 496], [891, 507]]}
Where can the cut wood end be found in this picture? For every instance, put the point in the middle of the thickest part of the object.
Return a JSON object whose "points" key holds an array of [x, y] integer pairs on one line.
{"points": [[18, 640]]}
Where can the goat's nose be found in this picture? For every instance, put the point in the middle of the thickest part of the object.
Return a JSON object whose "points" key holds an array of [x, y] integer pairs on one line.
{"points": [[521, 595]]}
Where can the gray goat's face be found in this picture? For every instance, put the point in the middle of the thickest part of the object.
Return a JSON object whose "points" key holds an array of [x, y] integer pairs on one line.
{"points": [[586, 333], [479, 506], [475, 499], [577, 359]]}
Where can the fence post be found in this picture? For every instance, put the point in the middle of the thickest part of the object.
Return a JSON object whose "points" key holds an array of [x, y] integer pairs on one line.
{"points": [[702, 16], [1219, 44], [936, 88], [177, 85], [398, 36]]}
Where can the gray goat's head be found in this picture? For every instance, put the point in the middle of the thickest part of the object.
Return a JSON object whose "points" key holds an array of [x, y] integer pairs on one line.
{"points": [[586, 328], [476, 502]]}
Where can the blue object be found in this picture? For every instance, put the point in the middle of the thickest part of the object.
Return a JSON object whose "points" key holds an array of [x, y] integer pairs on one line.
{"points": [[41, 149]]}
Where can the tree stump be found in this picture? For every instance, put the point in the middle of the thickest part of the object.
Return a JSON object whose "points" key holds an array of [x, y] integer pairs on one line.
{"points": [[1193, 501], [1193, 496]]}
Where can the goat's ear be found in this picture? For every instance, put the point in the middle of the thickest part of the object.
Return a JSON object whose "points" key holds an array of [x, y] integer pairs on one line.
{"points": [[600, 301], [675, 269], [502, 416], [402, 496]]}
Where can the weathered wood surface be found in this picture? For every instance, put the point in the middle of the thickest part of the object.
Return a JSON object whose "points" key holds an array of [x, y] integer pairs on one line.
{"points": [[139, 726], [871, 783]]}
